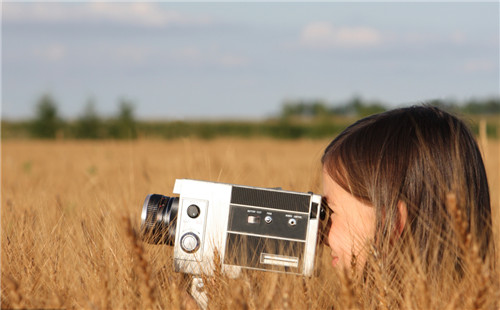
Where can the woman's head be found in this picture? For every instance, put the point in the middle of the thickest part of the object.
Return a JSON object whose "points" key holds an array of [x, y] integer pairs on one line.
{"points": [[400, 166]]}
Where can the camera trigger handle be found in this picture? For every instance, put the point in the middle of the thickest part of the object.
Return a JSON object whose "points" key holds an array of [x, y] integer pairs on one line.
{"points": [[198, 292]]}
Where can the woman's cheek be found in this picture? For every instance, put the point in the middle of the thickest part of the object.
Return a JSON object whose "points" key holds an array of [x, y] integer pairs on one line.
{"points": [[337, 239], [342, 241]]}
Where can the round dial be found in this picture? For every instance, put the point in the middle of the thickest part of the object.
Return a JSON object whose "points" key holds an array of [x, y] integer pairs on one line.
{"points": [[190, 242]]}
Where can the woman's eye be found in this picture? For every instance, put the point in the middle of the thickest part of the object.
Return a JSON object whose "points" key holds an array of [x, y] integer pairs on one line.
{"points": [[325, 210], [329, 212]]}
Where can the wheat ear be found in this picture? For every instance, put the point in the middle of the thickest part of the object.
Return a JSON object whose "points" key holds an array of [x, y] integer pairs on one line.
{"points": [[141, 265]]}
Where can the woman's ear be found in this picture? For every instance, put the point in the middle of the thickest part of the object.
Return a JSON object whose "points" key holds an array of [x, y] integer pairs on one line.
{"points": [[403, 216]]}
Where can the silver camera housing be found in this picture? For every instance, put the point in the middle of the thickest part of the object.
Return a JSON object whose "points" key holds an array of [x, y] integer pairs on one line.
{"points": [[245, 227]]}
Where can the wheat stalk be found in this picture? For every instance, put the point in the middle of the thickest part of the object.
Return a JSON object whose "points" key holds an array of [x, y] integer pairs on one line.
{"points": [[348, 290], [271, 293], [141, 265], [14, 293]]}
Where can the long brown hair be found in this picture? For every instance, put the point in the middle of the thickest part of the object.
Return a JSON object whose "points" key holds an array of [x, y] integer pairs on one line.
{"points": [[417, 156]]}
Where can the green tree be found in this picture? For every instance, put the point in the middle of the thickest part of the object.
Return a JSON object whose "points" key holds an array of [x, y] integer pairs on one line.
{"points": [[47, 122], [304, 108], [485, 106], [124, 126], [89, 125], [363, 108]]}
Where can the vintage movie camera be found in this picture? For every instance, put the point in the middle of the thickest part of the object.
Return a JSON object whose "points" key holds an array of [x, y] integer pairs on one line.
{"points": [[248, 227]]}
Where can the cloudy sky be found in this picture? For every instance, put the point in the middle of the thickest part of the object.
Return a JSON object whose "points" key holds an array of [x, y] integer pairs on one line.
{"points": [[242, 60]]}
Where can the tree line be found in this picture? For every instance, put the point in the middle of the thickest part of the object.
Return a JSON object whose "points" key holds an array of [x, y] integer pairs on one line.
{"points": [[357, 107], [297, 119], [48, 124]]}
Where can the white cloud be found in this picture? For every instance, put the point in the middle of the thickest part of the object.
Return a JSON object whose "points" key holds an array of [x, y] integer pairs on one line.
{"points": [[142, 14], [52, 52], [196, 57], [233, 60], [326, 35], [458, 38], [130, 54], [480, 65], [146, 14], [187, 54]]}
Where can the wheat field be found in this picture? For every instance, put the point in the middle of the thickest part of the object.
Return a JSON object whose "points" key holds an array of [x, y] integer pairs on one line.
{"points": [[70, 211]]}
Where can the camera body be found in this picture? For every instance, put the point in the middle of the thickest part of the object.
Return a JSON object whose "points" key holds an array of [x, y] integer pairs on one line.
{"points": [[237, 227]]}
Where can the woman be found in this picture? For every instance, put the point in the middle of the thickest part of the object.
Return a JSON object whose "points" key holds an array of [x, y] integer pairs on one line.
{"points": [[407, 188]]}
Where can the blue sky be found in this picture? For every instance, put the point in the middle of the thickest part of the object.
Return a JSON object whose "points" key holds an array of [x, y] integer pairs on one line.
{"points": [[242, 60]]}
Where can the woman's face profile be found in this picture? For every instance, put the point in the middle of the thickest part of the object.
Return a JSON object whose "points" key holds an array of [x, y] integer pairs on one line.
{"points": [[352, 224]]}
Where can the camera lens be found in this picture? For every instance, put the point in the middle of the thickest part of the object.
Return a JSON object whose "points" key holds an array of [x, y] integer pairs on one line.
{"points": [[158, 219]]}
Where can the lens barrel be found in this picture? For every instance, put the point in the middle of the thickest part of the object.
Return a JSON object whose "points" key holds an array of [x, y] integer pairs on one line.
{"points": [[159, 218]]}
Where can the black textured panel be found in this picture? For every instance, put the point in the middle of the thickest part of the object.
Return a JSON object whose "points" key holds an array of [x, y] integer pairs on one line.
{"points": [[271, 199], [245, 251], [278, 226]]}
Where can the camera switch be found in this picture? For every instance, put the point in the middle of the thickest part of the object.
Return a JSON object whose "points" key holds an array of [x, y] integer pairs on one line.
{"points": [[253, 219]]}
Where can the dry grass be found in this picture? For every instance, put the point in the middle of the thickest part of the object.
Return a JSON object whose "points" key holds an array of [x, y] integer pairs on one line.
{"points": [[70, 211]]}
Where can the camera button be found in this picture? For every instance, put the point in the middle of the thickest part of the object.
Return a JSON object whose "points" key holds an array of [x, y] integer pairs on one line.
{"points": [[193, 211], [268, 219], [190, 242]]}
